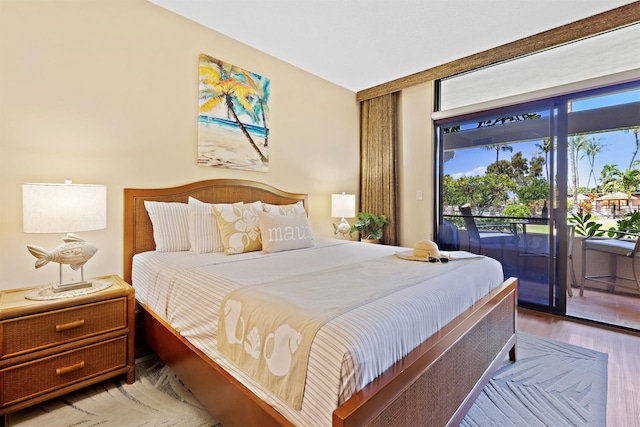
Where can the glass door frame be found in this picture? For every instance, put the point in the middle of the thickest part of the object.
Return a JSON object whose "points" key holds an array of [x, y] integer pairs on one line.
{"points": [[559, 132], [557, 163]]}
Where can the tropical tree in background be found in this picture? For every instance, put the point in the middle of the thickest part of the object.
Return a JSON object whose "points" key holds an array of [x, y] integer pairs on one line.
{"points": [[225, 84], [500, 181], [483, 191], [609, 173], [535, 167], [576, 143], [630, 180], [537, 190], [626, 182], [521, 170], [591, 149], [452, 193], [633, 158], [545, 148], [498, 148]]}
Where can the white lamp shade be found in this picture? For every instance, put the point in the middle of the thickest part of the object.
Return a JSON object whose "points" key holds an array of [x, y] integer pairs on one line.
{"points": [[63, 208], [343, 205]]}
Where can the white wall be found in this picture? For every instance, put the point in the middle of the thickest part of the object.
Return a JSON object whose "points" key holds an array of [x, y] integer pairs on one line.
{"points": [[105, 92]]}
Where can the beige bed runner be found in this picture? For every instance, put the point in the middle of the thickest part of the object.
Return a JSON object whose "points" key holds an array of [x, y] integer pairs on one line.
{"points": [[267, 329]]}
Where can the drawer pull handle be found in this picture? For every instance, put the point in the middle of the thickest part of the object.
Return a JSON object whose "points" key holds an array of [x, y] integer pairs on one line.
{"points": [[70, 325], [66, 370]]}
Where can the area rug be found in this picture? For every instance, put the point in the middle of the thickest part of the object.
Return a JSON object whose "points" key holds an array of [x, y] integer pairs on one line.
{"points": [[156, 399], [551, 384]]}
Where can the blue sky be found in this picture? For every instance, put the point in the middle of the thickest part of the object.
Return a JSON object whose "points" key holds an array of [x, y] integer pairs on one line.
{"points": [[618, 146]]}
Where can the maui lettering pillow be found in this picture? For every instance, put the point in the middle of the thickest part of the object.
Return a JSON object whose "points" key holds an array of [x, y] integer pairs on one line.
{"points": [[285, 232]]}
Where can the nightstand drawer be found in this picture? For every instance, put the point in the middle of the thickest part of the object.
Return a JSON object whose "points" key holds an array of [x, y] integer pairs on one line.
{"points": [[34, 332], [42, 376]]}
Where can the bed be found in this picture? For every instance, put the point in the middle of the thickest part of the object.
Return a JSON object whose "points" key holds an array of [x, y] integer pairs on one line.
{"points": [[435, 383]]}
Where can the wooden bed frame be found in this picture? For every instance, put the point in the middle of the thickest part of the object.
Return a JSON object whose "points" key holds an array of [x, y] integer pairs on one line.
{"points": [[435, 384]]}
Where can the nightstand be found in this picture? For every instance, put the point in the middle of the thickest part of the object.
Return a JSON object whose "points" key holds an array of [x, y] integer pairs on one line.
{"points": [[49, 348]]}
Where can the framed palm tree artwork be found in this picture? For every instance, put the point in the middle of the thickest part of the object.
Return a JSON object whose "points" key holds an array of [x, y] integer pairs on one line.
{"points": [[233, 117]]}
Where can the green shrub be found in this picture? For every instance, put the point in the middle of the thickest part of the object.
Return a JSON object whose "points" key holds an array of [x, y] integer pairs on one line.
{"points": [[516, 211]]}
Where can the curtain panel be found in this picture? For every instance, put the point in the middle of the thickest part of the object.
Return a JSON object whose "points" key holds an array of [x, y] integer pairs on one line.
{"points": [[378, 157]]}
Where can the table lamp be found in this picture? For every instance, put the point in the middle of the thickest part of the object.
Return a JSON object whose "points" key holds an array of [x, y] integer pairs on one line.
{"points": [[343, 206], [64, 208]]}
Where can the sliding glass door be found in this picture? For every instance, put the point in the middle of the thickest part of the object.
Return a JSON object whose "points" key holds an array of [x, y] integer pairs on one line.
{"points": [[511, 182], [497, 182]]}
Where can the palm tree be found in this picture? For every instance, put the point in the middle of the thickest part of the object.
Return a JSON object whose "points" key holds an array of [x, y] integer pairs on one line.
{"points": [[630, 180], [627, 182], [262, 106], [574, 178], [635, 134], [576, 144], [545, 148], [233, 87], [609, 173], [498, 148], [591, 149]]}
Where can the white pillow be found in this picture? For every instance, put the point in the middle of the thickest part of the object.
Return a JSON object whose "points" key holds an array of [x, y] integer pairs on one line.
{"points": [[170, 225], [295, 208], [238, 224], [204, 233], [284, 232]]}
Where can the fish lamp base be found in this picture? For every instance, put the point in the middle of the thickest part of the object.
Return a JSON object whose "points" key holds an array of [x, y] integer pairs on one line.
{"points": [[63, 287]]}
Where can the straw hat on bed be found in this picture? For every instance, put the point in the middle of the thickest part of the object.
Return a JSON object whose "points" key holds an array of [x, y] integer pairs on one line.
{"points": [[422, 251]]}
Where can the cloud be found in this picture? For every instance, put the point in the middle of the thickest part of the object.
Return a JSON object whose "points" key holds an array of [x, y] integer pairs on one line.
{"points": [[480, 170]]}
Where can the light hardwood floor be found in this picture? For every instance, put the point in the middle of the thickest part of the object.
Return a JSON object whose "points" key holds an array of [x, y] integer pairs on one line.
{"points": [[614, 308], [623, 348]]}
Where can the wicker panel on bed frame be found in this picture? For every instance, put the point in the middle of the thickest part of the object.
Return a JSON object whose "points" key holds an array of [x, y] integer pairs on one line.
{"points": [[445, 375], [433, 385]]}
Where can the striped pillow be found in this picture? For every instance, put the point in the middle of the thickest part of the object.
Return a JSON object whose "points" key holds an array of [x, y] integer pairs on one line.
{"points": [[204, 233], [170, 225]]}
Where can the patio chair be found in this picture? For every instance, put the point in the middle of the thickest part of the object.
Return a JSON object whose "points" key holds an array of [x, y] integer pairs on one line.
{"points": [[449, 238], [626, 245], [487, 234]]}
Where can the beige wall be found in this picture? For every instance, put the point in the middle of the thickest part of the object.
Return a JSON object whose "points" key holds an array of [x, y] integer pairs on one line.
{"points": [[416, 164], [105, 92]]}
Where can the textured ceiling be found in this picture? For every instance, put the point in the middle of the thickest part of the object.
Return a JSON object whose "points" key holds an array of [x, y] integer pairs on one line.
{"points": [[358, 44]]}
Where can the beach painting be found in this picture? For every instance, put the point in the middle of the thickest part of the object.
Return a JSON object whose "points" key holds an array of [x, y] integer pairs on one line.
{"points": [[233, 117]]}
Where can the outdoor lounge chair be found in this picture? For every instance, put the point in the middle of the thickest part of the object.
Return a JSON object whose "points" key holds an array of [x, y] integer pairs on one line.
{"points": [[487, 234], [627, 245]]}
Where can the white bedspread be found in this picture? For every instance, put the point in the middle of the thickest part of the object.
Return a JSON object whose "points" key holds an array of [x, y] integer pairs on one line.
{"points": [[350, 350]]}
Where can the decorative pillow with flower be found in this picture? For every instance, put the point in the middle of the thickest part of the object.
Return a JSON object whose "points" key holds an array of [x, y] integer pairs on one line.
{"points": [[239, 226]]}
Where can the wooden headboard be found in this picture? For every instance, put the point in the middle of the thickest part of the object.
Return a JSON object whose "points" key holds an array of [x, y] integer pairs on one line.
{"points": [[138, 232]]}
